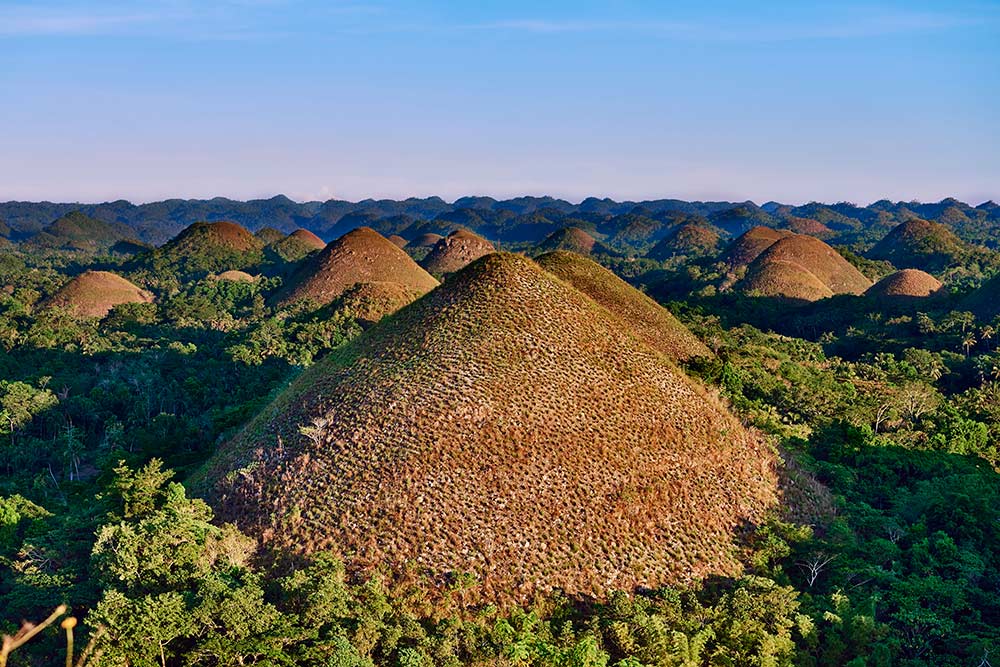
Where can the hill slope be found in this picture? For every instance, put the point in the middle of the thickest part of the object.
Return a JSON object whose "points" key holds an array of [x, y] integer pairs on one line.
{"points": [[925, 245], [805, 268], [95, 293], [751, 244], [296, 245], [650, 322], [76, 231], [506, 426], [359, 256], [203, 248], [908, 283], [456, 251], [574, 239], [685, 240]]}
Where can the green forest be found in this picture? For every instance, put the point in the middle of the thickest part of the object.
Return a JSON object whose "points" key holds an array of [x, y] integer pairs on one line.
{"points": [[887, 410]]}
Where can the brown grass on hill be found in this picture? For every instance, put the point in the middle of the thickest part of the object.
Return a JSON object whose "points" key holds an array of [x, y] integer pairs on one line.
{"points": [[804, 268], [572, 239], [222, 234], [359, 256], [308, 238], [687, 239], [370, 302], [425, 241], [780, 278], [506, 426], [650, 322], [751, 244], [236, 276], [807, 226], [398, 240], [456, 251], [95, 293], [908, 283]]}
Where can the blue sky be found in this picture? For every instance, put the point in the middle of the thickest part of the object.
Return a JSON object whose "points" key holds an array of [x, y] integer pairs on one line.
{"points": [[150, 99]]}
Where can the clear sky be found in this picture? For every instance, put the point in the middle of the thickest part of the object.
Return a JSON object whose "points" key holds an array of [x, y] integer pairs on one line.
{"points": [[794, 101]]}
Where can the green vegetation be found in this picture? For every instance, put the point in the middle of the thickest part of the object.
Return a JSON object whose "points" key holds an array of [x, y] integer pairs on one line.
{"points": [[887, 411]]}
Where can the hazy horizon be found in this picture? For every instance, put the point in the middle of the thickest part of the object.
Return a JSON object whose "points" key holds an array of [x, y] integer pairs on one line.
{"points": [[155, 99]]}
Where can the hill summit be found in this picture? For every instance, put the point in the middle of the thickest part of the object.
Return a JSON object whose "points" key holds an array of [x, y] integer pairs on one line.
{"points": [[359, 256], [507, 426], [685, 240], [906, 284], [203, 248], [95, 293], [455, 251], [573, 239], [803, 268], [926, 245]]}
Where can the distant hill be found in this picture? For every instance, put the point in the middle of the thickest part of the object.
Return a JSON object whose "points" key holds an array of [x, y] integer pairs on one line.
{"points": [[751, 244], [360, 256], [906, 284], [76, 231], [687, 240], [925, 245], [506, 426], [269, 235], [739, 219], [456, 251], [296, 245], [95, 293], [574, 239], [203, 248], [802, 268]]}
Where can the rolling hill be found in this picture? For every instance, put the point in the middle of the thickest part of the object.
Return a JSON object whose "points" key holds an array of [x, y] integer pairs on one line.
{"points": [[455, 251], [95, 293], [76, 231], [201, 249], [360, 256], [573, 239], [929, 246], [906, 284], [803, 268], [296, 245], [751, 244], [686, 241], [506, 426]]}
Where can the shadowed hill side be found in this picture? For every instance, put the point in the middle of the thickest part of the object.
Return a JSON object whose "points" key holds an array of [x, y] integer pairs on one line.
{"points": [[95, 293], [784, 279], [296, 245], [985, 300], [359, 256], [647, 320], [269, 235], [456, 251], [506, 426], [76, 231]]}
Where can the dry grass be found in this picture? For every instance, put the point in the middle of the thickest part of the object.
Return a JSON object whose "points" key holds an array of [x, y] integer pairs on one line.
{"points": [[95, 293], [398, 240], [222, 234], [908, 283], [807, 226], [784, 279], [650, 322], [686, 240], [456, 251], [359, 256], [804, 268], [236, 276], [308, 238], [370, 302], [504, 425], [425, 241], [751, 244]]}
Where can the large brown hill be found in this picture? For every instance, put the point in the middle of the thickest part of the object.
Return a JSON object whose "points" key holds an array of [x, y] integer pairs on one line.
{"points": [[507, 426], [751, 244], [804, 268], [926, 245], [95, 293], [359, 256], [651, 323], [686, 240], [906, 284], [296, 245], [456, 251]]}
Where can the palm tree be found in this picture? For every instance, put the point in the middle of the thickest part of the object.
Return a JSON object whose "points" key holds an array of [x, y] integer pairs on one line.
{"points": [[968, 342]]}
